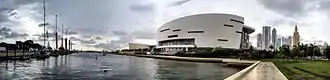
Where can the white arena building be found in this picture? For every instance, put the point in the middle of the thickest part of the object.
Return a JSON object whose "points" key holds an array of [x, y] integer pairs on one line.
{"points": [[204, 30]]}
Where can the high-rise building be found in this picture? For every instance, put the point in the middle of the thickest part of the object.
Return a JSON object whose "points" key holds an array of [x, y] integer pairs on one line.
{"points": [[290, 41], [266, 37], [259, 41], [278, 43], [287, 40], [296, 36], [274, 37], [325, 44]]}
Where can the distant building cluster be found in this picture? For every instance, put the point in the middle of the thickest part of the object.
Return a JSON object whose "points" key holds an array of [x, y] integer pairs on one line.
{"points": [[266, 39]]}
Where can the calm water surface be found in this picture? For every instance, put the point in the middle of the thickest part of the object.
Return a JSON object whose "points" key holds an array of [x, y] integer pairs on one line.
{"points": [[85, 66]]}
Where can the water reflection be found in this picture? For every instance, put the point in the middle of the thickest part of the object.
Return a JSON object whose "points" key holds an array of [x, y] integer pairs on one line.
{"points": [[113, 67]]}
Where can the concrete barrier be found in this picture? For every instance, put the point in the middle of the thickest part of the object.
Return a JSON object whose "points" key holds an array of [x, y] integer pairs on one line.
{"points": [[240, 74]]}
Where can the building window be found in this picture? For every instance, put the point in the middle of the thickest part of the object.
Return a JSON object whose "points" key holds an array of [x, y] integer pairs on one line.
{"points": [[164, 30], [239, 32], [237, 21], [228, 25], [176, 30], [195, 31], [222, 40], [172, 36]]}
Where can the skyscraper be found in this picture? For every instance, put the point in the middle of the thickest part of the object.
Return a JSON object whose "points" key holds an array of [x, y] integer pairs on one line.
{"points": [[287, 40], [296, 36], [266, 37], [278, 43], [274, 38], [290, 41], [259, 41]]}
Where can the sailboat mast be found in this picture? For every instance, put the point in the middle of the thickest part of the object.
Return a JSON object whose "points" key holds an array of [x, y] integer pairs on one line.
{"points": [[62, 36], [56, 37], [44, 24], [66, 39]]}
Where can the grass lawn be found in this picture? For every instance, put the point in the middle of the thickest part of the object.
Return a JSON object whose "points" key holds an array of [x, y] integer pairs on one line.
{"points": [[307, 70]]}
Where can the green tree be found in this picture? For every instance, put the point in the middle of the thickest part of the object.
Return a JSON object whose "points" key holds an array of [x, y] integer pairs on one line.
{"points": [[27, 44], [310, 51], [295, 52], [286, 51], [326, 52], [19, 45], [303, 50]]}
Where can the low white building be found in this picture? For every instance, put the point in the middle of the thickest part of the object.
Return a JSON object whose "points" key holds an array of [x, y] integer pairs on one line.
{"points": [[204, 30], [137, 46], [2, 48]]}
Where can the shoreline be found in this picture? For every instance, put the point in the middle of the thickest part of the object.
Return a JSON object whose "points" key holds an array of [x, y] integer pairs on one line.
{"points": [[197, 59]]}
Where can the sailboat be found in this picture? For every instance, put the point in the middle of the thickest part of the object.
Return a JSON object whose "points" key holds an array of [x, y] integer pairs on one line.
{"points": [[44, 53], [103, 53]]}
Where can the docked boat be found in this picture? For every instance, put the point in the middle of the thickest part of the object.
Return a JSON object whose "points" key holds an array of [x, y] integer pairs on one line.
{"points": [[42, 55]]}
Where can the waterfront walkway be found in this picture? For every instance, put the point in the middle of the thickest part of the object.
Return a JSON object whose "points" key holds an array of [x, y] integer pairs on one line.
{"points": [[18, 54], [264, 71], [257, 71]]}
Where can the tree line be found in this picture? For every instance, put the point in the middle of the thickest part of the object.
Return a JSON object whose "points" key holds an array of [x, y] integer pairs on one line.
{"points": [[303, 52], [22, 45], [300, 52]]}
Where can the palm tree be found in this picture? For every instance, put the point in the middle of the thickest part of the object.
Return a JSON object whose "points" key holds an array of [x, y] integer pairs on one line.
{"points": [[273, 50], [310, 50], [286, 51], [326, 52], [295, 52]]}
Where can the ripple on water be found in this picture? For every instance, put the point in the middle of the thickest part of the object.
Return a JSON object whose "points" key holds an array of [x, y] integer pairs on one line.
{"points": [[84, 66]]}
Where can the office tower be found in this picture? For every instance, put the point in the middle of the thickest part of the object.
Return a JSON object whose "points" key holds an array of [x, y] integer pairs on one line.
{"points": [[274, 37], [296, 37], [259, 41], [287, 40], [266, 37], [290, 41], [278, 43]]}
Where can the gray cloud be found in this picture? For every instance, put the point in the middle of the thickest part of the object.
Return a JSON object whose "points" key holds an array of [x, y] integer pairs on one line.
{"points": [[7, 7], [90, 41], [115, 44], [98, 38], [125, 38], [145, 34], [288, 8], [119, 33], [107, 45], [50, 35], [16, 35], [6, 33], [84, 36], [324, 6], [4, 15], [141, 7], [140, 34], [83, 41], [278, 22], [70, 32]]}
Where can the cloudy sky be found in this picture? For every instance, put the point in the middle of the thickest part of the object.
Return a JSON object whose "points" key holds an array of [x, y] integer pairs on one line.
{"points": [[111, 24]]}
